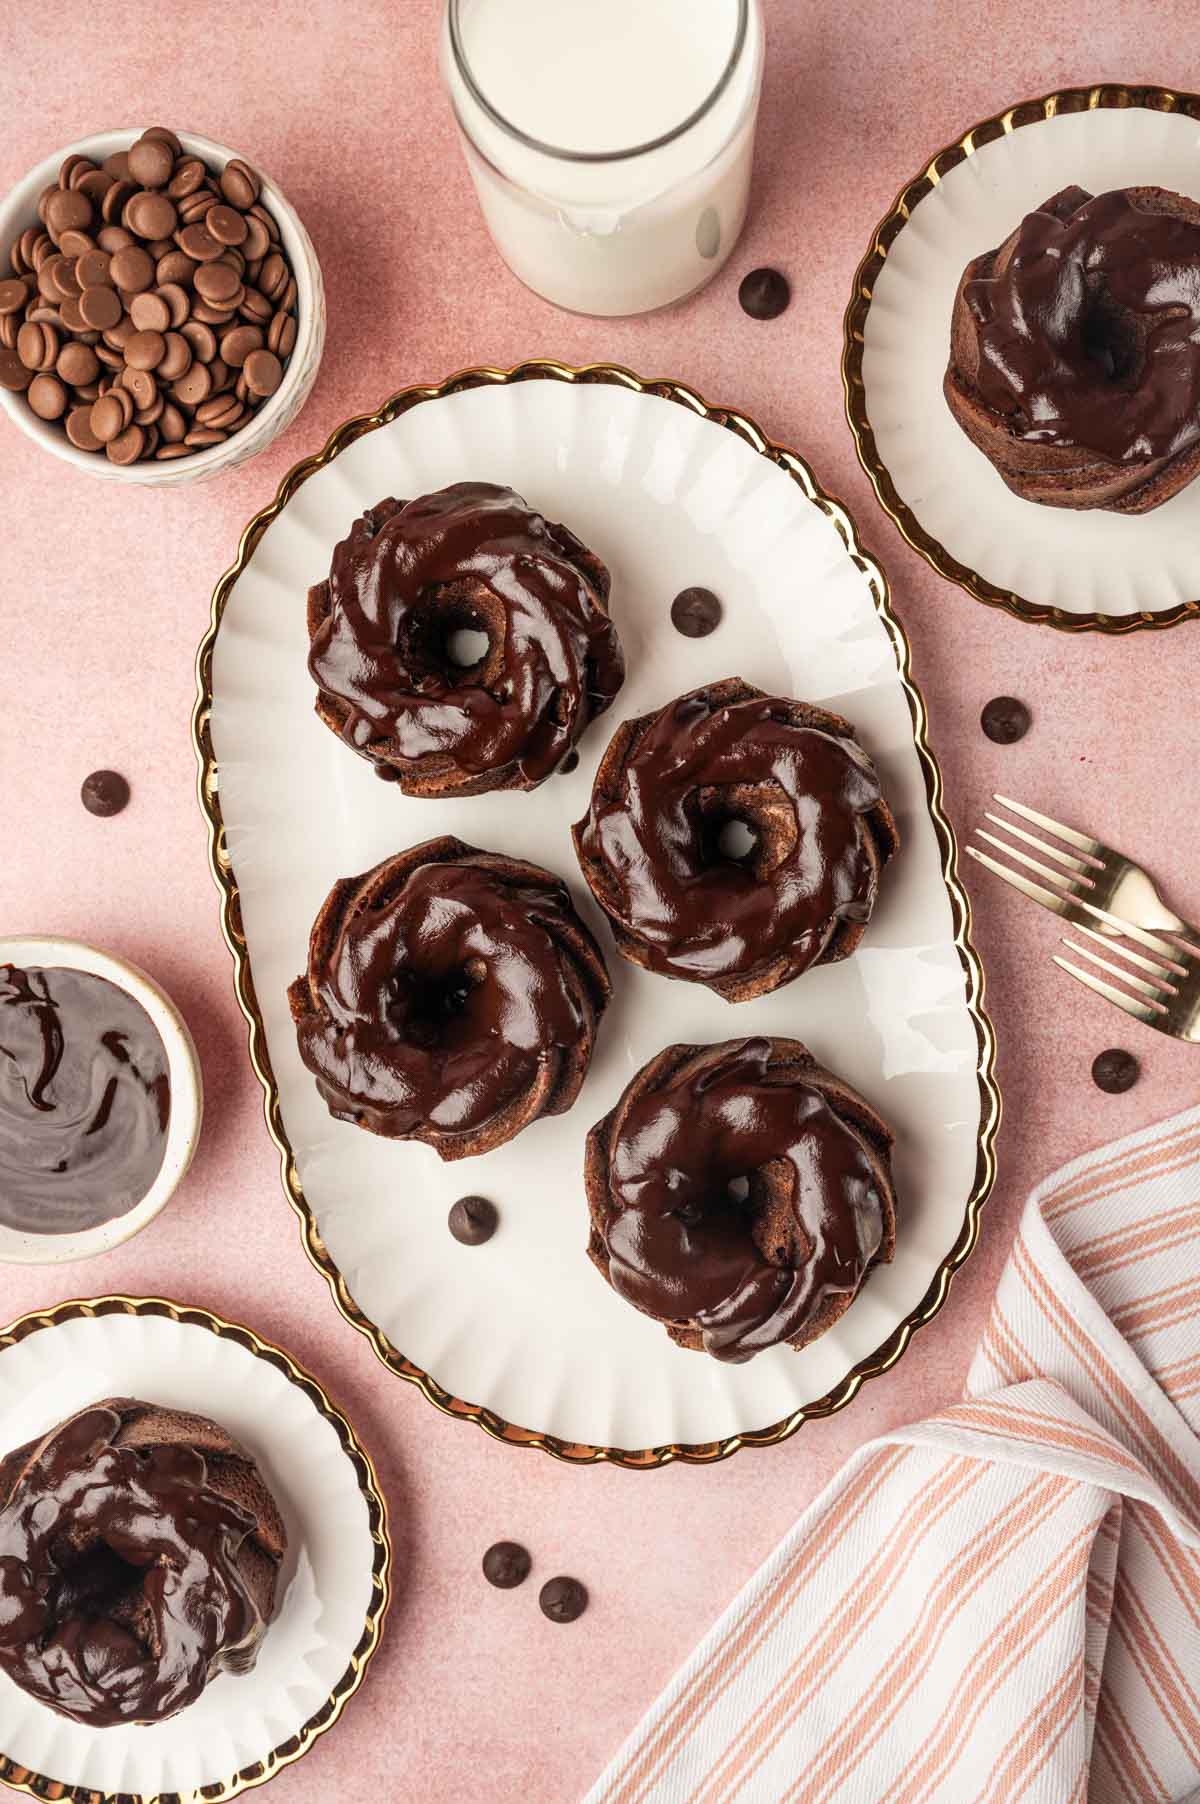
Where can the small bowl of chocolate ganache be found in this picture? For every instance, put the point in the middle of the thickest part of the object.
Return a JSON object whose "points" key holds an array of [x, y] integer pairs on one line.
{"points": [[100, 1100]]}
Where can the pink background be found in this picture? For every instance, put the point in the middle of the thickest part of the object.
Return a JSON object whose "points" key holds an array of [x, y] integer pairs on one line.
{"points": [[104, 596]]}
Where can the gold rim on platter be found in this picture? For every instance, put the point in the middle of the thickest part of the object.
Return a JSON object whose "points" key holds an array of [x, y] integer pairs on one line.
{"points": [[987, 131], [576, 1452], [36, 1785]]}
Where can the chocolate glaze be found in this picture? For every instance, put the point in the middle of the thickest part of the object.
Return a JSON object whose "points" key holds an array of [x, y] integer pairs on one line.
{"points": [[120, 1593], [1090, 335], [85, 1101], [681, 1248], [439, 1004], [701, 915], [407, 576]]}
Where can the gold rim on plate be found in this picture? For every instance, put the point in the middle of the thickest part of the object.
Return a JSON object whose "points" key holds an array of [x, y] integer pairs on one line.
{"points": [[36, 1785], [577, 1452], [1002, 125]]}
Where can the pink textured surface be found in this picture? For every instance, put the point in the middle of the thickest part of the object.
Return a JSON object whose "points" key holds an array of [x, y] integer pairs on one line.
{"points": [[104, 596]]}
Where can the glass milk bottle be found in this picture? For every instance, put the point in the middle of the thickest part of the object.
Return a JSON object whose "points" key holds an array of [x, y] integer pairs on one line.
{"points": [[610, 141]]}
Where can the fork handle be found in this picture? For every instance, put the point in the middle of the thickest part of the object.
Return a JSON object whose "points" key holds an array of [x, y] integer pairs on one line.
{"points": [[1157, 917]]}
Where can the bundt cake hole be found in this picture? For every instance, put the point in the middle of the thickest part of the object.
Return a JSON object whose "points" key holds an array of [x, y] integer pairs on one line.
{"points": [[750, 825], [94, 1580], [426, 1008], [467, 647], [1111, 341], [737, 841], [455, 633]]}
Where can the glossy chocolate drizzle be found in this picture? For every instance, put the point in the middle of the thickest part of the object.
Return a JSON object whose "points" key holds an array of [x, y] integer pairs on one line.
{"points": [[85, 1101], [701, 914], [680, 1247], [119, 1587], [1090, 336], [440, 1006], [404, 580]]}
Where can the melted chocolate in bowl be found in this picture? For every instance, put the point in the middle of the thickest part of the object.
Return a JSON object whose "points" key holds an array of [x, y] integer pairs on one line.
{"points": [[85, 1101]]}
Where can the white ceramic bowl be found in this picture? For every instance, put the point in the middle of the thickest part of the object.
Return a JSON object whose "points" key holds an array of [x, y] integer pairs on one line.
{"points": [[18, 210], [187, 1099]]}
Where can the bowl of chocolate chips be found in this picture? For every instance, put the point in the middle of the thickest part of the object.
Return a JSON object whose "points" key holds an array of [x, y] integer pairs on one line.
{"points": [[162, 314]]}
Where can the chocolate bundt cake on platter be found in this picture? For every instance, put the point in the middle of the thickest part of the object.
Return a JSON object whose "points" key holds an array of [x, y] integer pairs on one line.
{"points": [[406, 585], [740, 1194], [1075, 350], [139, 1557], [794, 781], [452, 996]]}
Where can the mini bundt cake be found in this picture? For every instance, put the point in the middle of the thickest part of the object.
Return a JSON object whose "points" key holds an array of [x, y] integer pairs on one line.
{"points": [[740, 1194], [139, 1557], [385, 625], [654, 847], [452, 996], [1075, 351]]}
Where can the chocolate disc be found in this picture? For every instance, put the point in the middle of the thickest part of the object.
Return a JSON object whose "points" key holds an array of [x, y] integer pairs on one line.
{"points": [[563, 1599], [1115, 1071], [472, 1220], [1005, 720], [104, 793], [506, 1564], [764, 293], [695, 613]]}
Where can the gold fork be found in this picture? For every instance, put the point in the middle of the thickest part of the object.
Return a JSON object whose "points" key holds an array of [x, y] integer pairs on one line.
{"points": [[1107, 897]]}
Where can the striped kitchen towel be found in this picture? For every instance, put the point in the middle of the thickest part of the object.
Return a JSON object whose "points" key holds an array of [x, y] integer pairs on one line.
{"points": [[1002, 1603]]}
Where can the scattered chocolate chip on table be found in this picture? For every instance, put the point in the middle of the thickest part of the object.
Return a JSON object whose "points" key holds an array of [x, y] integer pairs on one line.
{"points": [[105, 792], [764, 293], [1005, 719], [563, 1599], [507, 1564], [1115, 1070]]}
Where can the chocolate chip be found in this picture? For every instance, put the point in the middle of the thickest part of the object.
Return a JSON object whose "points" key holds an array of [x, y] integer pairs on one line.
{"points": [[563, 1599], [695, 613], [1115, 1071], [506, 1564], [13, 294], [1005, 719], [13, 374], [764, 293], [264, 373], [104, 793], [47, 396], [151, 162], [472, 1220]]}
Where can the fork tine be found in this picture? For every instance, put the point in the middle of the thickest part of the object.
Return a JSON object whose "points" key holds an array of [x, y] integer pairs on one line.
{"points": [[1054, 900], [1090, 847], [1141, 1011], [1031, 864], [1135, 958], [1155, 992], [1031, 839]]}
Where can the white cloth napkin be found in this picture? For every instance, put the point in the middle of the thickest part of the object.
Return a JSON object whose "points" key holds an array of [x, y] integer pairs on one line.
{"points": [[1002, 1603]]}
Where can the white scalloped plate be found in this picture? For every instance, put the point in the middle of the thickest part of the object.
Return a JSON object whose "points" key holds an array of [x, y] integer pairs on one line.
{"points": [[524, 1326], [1037, 557], [333, 1584]]}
